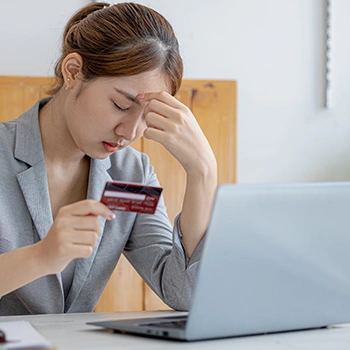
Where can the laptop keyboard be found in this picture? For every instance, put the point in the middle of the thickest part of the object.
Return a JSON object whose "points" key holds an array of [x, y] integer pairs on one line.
{"points": [[180, 324]]}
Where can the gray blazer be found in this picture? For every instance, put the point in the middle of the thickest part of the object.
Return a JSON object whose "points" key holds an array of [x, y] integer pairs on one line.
{"points": [[148, 241]]}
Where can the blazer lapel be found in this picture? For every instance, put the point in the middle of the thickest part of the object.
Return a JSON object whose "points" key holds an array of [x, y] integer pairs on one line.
{"points": [[33, 180], [33, 183], [97, 179]]}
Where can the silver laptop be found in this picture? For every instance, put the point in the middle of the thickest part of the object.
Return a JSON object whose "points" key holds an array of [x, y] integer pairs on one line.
{"points": [[276, 258]]}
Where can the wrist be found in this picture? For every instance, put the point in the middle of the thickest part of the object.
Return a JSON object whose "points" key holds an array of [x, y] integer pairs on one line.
{"points": [[39, 259], [205, 170]]}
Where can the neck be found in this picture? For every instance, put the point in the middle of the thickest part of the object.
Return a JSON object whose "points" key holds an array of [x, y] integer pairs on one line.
{"points": [[58, 144]]}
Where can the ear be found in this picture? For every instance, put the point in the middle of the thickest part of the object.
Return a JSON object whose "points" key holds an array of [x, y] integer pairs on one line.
{"points": [[72, 70]]}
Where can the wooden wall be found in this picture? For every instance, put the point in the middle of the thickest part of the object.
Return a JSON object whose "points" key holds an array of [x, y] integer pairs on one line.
{"points": [[214, 105]]}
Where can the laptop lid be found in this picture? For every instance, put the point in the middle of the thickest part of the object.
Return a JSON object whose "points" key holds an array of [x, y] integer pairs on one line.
{"points": [[276, 258]]}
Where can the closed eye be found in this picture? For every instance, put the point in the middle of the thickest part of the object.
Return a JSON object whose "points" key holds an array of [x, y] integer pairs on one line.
{"points": [[120, 108]]}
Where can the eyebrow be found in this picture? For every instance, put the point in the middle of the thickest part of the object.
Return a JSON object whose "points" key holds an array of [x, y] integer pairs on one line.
{"points": [[128, 96]]}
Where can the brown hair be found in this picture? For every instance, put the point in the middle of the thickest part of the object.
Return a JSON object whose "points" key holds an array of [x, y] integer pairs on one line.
{"points": [[120, 40]]}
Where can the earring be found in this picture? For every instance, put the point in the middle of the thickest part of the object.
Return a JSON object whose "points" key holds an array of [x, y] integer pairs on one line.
{"points": [[67, 87]]}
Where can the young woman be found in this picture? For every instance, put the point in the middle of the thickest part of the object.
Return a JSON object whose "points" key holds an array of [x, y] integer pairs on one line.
{"points": [[115, 81]]}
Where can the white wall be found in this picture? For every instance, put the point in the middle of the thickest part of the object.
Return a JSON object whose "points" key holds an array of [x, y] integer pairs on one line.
{"points": [[273, 48]]}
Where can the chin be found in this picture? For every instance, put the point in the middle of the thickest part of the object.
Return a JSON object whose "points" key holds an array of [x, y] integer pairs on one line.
{"points": [[99, 155]]}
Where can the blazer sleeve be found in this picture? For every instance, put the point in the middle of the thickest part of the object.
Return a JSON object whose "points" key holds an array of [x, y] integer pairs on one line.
{"points": [[156, 252]]}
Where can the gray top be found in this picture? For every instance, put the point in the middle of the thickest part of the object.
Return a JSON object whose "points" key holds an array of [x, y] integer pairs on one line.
{"points": [[67, 277], [146, 240]]}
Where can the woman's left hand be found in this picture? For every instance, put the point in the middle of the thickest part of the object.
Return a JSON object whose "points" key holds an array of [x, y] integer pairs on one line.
{"points": [[172, 124]]}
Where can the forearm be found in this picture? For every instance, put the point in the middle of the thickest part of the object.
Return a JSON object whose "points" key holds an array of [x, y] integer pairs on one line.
{"points": [[199, 195], [172, 124], [19, 267]]}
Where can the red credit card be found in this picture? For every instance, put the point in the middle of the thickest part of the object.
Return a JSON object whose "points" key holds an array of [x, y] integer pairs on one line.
{"points": [[126, 196]]}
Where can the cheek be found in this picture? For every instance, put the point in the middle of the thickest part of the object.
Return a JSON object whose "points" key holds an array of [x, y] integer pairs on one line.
{"points": [[93, 117], [81, 112]]}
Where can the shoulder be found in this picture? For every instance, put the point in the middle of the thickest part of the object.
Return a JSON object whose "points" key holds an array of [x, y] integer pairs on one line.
{"points": [[8, 135], [8, 129], [130, 165], [129, 157], [21, 138]]}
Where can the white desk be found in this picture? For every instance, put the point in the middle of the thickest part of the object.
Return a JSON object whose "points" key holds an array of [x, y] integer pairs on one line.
{"points": [[69, 332]]}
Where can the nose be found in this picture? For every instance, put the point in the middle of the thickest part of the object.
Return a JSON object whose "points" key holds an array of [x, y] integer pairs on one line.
{"points": [[130, 126]]}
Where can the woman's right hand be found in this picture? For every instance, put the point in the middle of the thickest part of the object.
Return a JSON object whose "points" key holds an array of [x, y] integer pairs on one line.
{"points": [[74, 234]]}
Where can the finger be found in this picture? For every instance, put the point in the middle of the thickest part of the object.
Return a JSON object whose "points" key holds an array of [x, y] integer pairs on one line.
{"points": [[160, 108], [80, 251], [160, 96], [156, 135], [84, 237], [88, 207], [154, 120], [85, 223]]}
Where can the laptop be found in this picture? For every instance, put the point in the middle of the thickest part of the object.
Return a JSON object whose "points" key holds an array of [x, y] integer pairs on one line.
{"points": [[276, 258]]}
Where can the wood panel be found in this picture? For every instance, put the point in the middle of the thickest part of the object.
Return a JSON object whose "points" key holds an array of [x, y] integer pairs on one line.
{"points": [[124, 290], [18, 94], [214, 105]]}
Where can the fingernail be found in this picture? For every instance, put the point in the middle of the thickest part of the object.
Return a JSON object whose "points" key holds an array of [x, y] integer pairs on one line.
{"points": [[111, 216], [140, 97]]}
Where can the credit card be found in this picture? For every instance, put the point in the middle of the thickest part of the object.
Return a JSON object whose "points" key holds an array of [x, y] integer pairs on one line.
{"points": [[128, 196]]}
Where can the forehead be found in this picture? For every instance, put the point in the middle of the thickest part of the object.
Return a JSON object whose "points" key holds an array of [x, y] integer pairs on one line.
{"points": [[151, 81]]}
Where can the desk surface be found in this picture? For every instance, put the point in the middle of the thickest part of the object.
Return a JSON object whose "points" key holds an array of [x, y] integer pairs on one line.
{"points": [[69, 332]]}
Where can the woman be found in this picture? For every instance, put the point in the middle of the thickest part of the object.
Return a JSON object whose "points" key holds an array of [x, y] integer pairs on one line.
{"points": [[115, 80]]}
